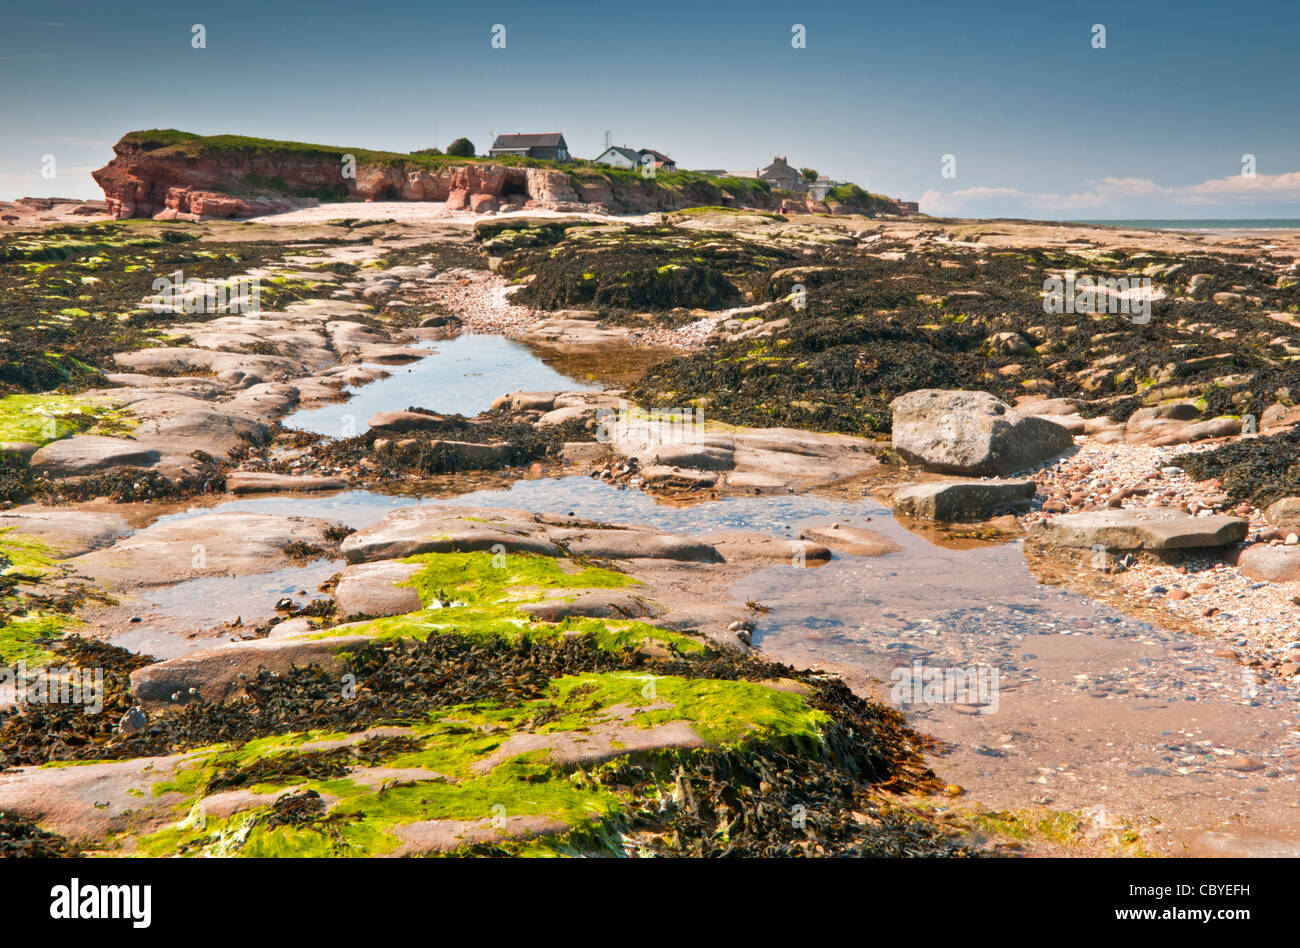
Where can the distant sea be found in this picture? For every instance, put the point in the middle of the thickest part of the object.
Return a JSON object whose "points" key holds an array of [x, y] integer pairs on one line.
{"points": [[1200, 224]]}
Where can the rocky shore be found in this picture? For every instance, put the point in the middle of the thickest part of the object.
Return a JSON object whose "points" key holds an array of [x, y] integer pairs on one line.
{"points": [[446, 674]]}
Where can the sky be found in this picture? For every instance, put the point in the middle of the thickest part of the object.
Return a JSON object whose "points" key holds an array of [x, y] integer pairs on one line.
{"points": [[998, 109]]}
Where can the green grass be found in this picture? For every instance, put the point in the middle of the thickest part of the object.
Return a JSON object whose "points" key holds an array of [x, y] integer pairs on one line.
{"points": [[189, 144]]}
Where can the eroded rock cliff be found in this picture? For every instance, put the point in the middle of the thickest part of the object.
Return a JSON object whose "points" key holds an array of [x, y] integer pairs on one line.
{"points": [[167, 174]]}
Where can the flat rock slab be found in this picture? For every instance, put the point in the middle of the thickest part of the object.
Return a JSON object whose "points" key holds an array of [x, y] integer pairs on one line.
{"points": [[93, 800], [859, 541], [214, 674], [957, 432], [432, 836], [962, 500], [82, 455], [219, 544], [597, 744], [404, 421], [597, 604], [660, 475], [446, 529], [1272, 564], [236, 369], [768, 458], [741, 545], [67, 532], [372, 589], [254, 482], [1149, 528]]}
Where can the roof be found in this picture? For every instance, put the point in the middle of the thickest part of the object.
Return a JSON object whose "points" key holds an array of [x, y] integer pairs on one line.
{"points": [[781, 170], [531, 140], [628, 153], [658, 156]]}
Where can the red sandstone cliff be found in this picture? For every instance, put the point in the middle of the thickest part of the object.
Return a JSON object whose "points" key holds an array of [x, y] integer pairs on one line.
{"points": [[167, 183], [169, 175]]}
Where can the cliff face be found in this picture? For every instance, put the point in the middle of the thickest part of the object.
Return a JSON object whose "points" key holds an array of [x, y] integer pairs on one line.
{"points": [[168, 183], [175, 175]]}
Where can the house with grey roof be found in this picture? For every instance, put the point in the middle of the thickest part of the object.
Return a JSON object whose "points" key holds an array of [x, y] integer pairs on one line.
{"points": [[620, 156], [545, 145]]}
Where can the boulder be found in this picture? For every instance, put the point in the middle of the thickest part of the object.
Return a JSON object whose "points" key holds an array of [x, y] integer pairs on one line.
{"points": [[962, 500], [1150, 528], [1284, 512], [959, 432], [1271, 564]]}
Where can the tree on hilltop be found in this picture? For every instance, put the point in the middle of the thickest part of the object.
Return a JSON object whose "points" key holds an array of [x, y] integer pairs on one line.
{"points": [[461, 148]]}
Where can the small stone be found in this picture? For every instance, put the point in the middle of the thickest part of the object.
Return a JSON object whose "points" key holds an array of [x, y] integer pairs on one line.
{"points": [[1245, 764], [1177, 594], [133, 722]]}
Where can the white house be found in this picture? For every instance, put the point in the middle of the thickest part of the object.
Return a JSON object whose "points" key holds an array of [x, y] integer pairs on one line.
{"points": [[619, 157]]}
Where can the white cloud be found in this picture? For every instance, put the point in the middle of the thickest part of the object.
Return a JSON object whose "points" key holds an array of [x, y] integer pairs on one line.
{"points": [[1116, 195]]}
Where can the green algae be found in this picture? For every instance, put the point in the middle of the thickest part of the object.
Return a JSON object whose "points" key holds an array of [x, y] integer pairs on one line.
{"points": [[40, 419], [24, 630], [456, 749], [21, 638], [24, 555], [478, 595], [483, 578]]}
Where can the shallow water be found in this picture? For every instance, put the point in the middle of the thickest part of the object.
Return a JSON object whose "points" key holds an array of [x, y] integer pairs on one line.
{"points": [[1090, 709], [168, 615], [353, 508], [463, 376]]}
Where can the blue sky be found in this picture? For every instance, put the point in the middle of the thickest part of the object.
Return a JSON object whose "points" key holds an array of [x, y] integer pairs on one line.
{"points": [[1040, 122]]}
